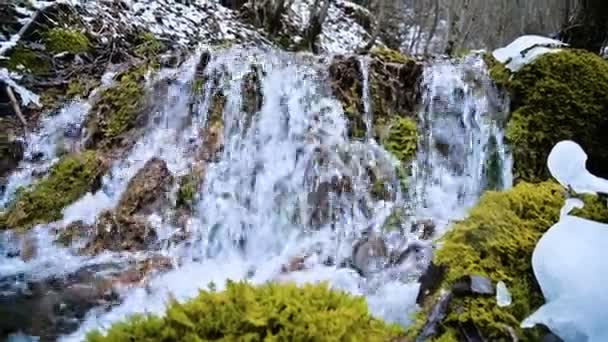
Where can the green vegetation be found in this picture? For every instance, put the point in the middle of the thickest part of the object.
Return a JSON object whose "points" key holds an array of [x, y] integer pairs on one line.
{"points": [[117, 108], [69, 179], [148, 46], [498, 72], [497, 241], [187, 190], [402, 139], [271, 312], [59, 40], [31, 60], [560, 96], [387, 55]]}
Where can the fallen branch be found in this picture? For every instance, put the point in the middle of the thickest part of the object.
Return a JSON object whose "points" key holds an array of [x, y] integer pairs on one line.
{"points": [[16, 107]]}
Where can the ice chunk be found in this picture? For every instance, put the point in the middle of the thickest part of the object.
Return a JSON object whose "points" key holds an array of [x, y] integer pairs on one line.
{"points": [[570, 260], [567, 164], [503, 296], [526, 49]]}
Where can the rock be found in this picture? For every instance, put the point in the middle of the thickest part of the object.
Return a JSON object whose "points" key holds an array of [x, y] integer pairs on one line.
{"points": [[438, 313], [72, 232], [29, 248], [430, 281], [147, 190], [473, 285], [425, 228], [11, 149], [141, 271], [118, 232], [369, 254], [295, 264]]}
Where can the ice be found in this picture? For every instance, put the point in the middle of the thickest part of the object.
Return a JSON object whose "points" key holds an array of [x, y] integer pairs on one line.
{"points": [[503, 296], [570, 260], [26, 96], [526, 49]]}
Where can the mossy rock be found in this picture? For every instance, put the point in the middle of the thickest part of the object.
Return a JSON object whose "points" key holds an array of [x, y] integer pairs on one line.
{"points": [[149, 46], [390, 56], [59, 39], [497, 241], [271, 312], [118, 107], [68, 180], [402, 139], [393, 85], [188, 188], [561, 96]]}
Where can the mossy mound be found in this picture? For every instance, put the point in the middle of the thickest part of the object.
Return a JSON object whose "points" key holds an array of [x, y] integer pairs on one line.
{"points": [[390, 56], [272, 312], [497, 241], [560, 96], [69, 40], [69, 179]]}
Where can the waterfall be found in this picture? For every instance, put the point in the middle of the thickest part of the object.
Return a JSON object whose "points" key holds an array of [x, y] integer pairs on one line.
{"points": [[288, 184], [463, 150]]}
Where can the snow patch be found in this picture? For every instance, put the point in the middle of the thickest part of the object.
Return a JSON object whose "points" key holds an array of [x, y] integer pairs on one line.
{"points": [[525, 50]]}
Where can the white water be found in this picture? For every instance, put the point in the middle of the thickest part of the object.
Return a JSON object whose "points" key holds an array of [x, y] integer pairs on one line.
{"points": [[367, 110], [462, 112], [259, 202]]}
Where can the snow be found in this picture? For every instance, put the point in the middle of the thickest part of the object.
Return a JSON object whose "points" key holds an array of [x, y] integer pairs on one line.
{"points": [[567, 164], [569, 260], [503, 296], [26, 96], [525, 50]]}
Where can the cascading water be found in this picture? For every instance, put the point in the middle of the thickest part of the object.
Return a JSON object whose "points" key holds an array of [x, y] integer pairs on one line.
{"points": [[289, 184], [463, 150]]}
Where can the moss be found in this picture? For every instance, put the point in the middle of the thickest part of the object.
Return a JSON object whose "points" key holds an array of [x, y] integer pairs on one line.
{"points": [[497, 240], [390, 56], [402, 139], [69, 179], [497, 71], [70, 40], [493, 166], [117, 108], [31, 60], [560, 96], [80, 87], [186, 193], [271, 312]]}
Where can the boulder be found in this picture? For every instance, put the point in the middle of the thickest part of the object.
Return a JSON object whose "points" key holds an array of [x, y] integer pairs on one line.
{"points": [[118, 232], [147, 190], [369, 254]]}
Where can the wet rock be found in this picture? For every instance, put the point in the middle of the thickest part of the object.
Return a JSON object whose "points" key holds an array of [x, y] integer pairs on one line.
{"points": [[29, 248], [139, 273], [51, 307], [117, 232], [369, 254], [295, 264], [438, 313], [147, 190], [430, 281], [425, 228], [11, 149], [473, 285], [74, 231]]}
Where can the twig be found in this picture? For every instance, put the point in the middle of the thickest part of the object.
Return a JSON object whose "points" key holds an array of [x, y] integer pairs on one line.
{"points": [[16, 107]]}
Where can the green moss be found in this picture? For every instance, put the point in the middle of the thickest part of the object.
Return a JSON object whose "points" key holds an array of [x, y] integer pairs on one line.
{"points": [[187, 190], [33, 61], [497, 240], [271, 312], [80, 87], [560, 96], [498, 72], [69, 179], [402, 139], [118, 106], [60, 39], [390, 56]]}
